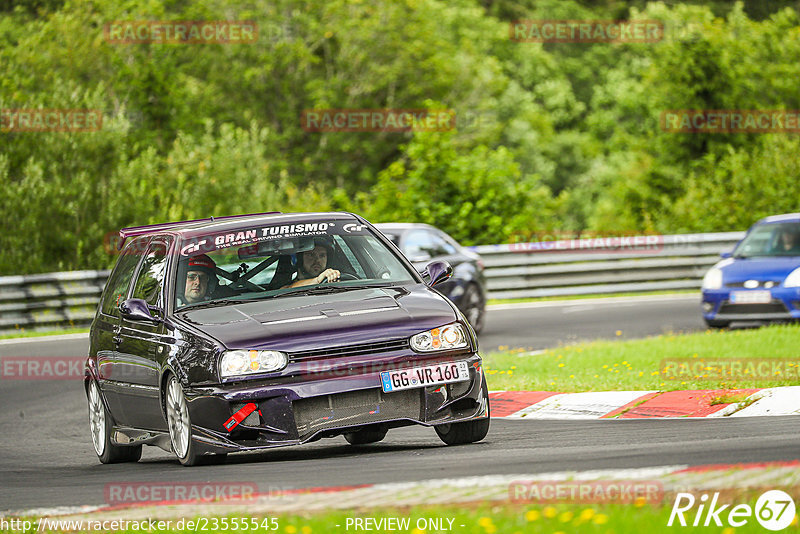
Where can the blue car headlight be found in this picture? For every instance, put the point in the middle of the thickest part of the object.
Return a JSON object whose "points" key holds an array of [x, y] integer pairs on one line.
{"points": [[251, 362], [793, 280], [451, 336], [713, 278]]}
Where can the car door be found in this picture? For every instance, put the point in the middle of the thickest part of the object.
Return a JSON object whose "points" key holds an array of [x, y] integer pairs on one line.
{"points": [[106, 329], [144, 344]]}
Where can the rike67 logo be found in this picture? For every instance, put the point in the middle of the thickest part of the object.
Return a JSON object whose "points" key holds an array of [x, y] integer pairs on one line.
{"points": [[774, 510]]}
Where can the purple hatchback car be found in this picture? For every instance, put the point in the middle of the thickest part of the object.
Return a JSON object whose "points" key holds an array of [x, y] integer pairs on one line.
{"points": [[257, 331]]}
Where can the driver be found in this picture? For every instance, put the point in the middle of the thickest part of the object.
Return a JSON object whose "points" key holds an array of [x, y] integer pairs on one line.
{"points": [[313, 267], [790, 241], [199, 282]]}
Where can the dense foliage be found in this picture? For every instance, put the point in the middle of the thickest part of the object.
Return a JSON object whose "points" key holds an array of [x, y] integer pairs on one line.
{"points": [[555, 136]]}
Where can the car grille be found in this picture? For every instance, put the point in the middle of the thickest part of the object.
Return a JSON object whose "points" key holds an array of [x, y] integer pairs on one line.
{"points": [[744, 309], [349, 350], [761, 283], [354, 408]]}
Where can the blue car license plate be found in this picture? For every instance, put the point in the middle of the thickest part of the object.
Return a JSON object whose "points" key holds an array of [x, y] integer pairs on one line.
{"points": [[751, 297]]}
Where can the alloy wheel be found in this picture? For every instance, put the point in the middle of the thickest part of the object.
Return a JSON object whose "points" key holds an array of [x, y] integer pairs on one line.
{"points": [[97, 419], [178, 418]]}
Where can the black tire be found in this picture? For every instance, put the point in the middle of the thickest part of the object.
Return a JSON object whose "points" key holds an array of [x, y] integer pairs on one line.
{"points": [[712, 323], [474, 308], [100, 424], [468, 431], [370, 434], [179, 423]]}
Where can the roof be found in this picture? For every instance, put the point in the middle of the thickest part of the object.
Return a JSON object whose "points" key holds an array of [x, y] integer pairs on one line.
{"points": [[202, 227], [786, 217], [401, 226]]}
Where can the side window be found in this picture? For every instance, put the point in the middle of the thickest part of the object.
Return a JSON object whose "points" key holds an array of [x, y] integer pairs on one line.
{"points": [[151, 274], [442, 244], [119, 281], [417, 243], [423, 242]]}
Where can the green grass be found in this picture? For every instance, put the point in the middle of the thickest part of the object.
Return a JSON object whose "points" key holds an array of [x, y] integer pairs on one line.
{"points": [[36, 333], [636, 364], [595, 296], [729, 399], [506, 518]]}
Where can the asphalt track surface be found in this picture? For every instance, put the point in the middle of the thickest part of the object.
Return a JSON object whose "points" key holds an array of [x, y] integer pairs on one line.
{"points": [[47, 459]]}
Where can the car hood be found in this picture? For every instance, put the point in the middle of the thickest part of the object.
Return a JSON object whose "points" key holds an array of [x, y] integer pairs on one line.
{"points": [[762, 269], [310, 322]]}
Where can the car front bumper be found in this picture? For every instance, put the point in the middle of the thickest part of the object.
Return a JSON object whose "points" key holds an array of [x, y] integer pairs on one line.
{"points": [[308, 408], [785, 305]]}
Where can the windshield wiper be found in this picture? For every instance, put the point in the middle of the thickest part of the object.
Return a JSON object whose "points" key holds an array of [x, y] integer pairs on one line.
{"points": [[322, 289], [326, 288], [215, 303]]}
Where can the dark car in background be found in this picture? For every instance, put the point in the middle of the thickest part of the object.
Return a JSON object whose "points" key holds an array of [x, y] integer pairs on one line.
{"points": [[760, 279], [422, 243], [215, 336]]}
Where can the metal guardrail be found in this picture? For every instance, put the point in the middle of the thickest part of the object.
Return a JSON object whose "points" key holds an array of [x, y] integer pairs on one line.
{"points": [[49, 301], [558, 268], [602, 265]]}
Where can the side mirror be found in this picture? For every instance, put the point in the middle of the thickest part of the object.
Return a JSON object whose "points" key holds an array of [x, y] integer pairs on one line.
{"points": [[438, 271], [137, 310], [725, 255]]}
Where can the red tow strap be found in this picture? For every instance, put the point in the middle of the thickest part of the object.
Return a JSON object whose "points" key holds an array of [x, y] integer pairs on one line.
{"points": [[240, 416]]}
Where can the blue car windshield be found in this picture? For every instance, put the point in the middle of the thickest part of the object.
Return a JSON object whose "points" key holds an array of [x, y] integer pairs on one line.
{"points": [[771, 239], [283, 260]]}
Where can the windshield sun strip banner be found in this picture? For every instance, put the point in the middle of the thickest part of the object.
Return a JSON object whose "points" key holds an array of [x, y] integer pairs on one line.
{"points": [[251, 236]]}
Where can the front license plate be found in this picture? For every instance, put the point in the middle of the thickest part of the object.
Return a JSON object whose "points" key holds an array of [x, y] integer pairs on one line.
{"points": [[417, 377], [751, 297]]}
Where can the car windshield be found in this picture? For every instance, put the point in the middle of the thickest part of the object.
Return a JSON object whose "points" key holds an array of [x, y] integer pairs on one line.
{"points": [[256, 263], [774, 239]]}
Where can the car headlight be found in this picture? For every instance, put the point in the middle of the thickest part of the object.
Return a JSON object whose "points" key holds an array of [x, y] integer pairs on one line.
{"points": [[793, 280], [713, 278], [451, 336], [251, 362]]}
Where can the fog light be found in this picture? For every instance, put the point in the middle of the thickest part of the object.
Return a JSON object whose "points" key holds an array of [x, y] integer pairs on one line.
{"points": [[796, 304], [707, 307]]}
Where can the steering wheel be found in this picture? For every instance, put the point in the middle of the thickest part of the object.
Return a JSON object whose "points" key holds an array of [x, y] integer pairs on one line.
{"points": [[343, 276]]}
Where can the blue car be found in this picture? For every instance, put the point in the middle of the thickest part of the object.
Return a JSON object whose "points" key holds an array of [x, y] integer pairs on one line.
{"points": [[760, 279]]}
